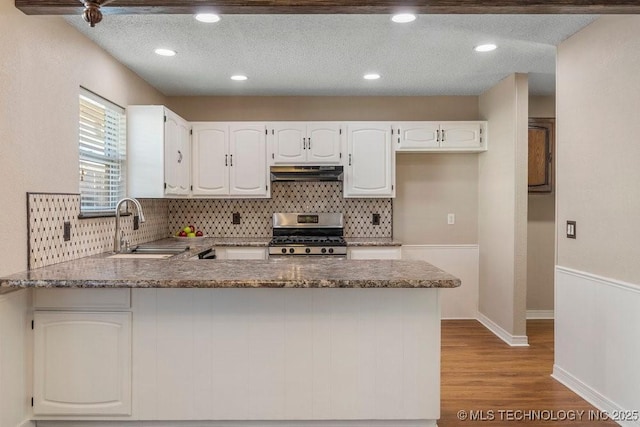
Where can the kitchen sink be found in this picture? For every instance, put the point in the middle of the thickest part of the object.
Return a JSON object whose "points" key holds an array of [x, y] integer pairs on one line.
{"points": [[135, 255], [152, 252]]}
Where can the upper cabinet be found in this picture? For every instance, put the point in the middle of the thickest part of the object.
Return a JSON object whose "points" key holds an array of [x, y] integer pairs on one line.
{"points": [[295, 143], [440, 136], [229, 159], [158, 152], [370, 162]]}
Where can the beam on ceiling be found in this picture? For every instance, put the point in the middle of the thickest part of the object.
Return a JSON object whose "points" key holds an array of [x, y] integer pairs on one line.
{"points": [[72, 7]]}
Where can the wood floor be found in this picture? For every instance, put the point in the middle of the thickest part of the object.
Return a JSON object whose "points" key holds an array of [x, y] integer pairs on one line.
{"points": [[499, 385]]}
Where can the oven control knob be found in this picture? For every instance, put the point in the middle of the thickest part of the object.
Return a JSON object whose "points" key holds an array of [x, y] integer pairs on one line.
{"points": [[291, 250], [330, 250], [284, 250], [308, 250], [323, 250]]}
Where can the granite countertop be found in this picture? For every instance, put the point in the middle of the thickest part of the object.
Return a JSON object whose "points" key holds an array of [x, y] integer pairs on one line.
{"points": [[307, 272], [372, 241]]}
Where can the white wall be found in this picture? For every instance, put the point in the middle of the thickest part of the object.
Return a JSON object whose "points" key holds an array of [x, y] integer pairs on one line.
{"points": [[44, 62], [502, 209], [598, 273], [541, 230]]}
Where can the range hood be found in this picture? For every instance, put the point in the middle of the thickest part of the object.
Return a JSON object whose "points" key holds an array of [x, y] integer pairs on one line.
{"points": [[306, 173]]}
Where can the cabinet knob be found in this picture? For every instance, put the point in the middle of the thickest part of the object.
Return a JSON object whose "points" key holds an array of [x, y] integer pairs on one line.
{"points": [[304, 143], [230, 159], [349, 159], [225, 160], [179, 156], [309, 143]]}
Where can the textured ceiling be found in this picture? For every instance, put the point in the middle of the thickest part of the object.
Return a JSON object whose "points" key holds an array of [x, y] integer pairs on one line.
{"points": [[329, 54]]}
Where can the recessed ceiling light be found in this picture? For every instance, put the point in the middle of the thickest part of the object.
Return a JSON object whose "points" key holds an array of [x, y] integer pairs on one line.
{"points": [[403, 18], [165, 52], [239, 77], [485, 48], [372, 76], [209, 18]]}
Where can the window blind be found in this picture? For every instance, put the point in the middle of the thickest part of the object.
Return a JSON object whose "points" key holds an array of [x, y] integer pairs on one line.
{"points": [[102, 148]]}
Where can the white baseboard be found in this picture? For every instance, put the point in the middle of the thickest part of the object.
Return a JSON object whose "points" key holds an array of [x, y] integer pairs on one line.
{"points": [[540, 314], [26, 423], [512, 340], [590, 395]]}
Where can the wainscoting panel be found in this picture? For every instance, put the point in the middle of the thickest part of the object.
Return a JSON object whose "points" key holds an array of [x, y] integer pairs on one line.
{"points": [[15, 357], [597, 339], [463, 262]]}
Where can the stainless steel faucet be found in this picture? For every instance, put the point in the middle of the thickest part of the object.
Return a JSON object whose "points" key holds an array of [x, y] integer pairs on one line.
{"points": [[118, 240]]}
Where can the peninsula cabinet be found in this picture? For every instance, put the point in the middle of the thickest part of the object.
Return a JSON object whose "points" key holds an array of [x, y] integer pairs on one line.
{"points": [[370, 162], [82, 363], [158, 152], [440, 136], [229, 160], [295, 143]]}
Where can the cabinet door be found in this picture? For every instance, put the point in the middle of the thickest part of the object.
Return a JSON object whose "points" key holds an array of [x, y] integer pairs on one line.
{"points": [[370, 162], [210, 159], [82, 363], [230, 252], [324, 143], [289, 143], [463, 135], [248, 160], [177, 155], [416, 135]]}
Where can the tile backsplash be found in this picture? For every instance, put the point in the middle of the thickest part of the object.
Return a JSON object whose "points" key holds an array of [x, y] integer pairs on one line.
{"points": [[48, 212], [214, 216]]}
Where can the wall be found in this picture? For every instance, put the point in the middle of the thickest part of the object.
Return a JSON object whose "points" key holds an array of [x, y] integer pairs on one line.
{"points": [[228, 108], [428, 186], [214, 216], [598, 274], [541, 231], [502, 210], [44, 61]]}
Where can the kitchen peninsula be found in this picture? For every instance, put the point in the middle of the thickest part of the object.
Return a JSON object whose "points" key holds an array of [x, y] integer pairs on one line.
{"points": [[331, 342]]}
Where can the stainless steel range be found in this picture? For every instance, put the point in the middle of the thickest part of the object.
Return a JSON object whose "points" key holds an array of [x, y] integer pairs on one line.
{"points": [[308, 234]]}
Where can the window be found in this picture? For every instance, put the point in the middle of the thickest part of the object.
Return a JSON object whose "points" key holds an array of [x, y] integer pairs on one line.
{"points": [[102, 144]]}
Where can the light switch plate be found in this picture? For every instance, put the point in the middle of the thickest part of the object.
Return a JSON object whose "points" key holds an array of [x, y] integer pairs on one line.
{"points": [[451, 219], [571, 229]]}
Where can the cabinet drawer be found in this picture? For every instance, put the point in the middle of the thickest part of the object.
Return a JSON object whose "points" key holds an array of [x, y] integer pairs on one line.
{"points": [[80, 298]]}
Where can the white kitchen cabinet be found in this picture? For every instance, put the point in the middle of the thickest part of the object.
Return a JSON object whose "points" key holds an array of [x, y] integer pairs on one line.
{"points": [[374, 252], [295, 143], [229, 159], [82, 363], [440, 136], [240, 252], [370, 162], [158, 152]]}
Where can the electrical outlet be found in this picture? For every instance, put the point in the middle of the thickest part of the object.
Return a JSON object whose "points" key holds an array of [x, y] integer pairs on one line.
{"points": [[235, 218], [451, 219], [375, 219], [136, 222], [66, 231], [571, 229]]}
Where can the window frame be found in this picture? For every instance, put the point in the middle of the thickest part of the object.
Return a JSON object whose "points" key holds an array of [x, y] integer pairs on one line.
{"points": [[106, 154]]}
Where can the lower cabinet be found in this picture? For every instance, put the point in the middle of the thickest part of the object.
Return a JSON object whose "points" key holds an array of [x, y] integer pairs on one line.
{"points": [[374, 252], [232, 252], [82, 363]]}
